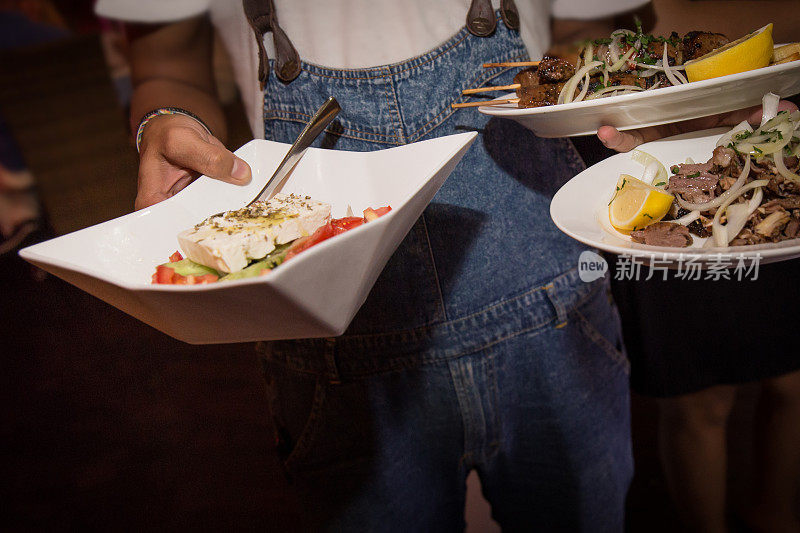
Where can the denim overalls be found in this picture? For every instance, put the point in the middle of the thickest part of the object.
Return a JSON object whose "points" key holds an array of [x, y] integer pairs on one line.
{"points": [[478, 348]]}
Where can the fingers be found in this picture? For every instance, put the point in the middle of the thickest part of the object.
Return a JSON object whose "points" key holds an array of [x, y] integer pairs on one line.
{"points": [[174, 151], [186, 149], [619, 140], [159, 180], [753, 115], [624, 141]]}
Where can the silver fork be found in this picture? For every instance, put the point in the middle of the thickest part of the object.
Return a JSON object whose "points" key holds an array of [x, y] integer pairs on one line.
{"points": [[324, 115]]}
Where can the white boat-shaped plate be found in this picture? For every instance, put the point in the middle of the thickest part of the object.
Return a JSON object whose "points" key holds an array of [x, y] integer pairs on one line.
{"points": [[580, 208], [315, 295], [658, 106]]}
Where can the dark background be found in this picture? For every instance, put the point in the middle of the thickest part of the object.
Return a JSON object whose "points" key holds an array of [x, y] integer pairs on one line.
{"points": [[108, 424]]}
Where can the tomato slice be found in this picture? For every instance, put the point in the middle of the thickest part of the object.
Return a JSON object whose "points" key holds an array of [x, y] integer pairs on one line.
{"points": [[205, 278], [371, 214], [164, 275], [174, 258], [304, 243], [340, 225], [167, 276]]}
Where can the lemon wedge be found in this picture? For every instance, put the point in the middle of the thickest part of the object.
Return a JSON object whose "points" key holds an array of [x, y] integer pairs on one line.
{"points": [[752, 51], [637, 204]]}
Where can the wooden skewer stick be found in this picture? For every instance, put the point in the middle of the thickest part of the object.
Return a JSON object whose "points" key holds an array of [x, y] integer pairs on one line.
{"points": [[512, 64], [486, 102], [495, 88]]}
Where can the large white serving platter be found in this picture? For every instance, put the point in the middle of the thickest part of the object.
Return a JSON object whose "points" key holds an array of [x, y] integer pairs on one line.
{"points": [[315, 295], [659, 106], [580, 208]]}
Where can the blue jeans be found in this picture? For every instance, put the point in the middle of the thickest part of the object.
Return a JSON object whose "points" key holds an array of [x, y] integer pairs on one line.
{"points": [[478, 348]]}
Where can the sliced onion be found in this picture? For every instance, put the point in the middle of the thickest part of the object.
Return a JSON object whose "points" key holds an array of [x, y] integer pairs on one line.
{"points": [[613, 48], [780, 166], [738, 219], [588, 52], [622, 60], [660, 172], [583, 89], [686, 219], [602, 52], [769, 107], [722, 198], [720, 233], [756, 146], [568, 91], [726, 139], [647, 73], [672, 77], [604, 91]]}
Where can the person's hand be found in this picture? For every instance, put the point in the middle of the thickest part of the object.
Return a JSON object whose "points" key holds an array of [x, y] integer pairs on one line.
{"points": [[174, 151], [624, 141]]}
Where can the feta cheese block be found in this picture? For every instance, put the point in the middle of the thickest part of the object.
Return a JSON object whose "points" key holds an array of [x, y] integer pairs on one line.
{"points": [[229, 241]]}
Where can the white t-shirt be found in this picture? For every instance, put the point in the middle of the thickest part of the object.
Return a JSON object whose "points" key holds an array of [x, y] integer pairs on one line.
{"points": [[351, 33]]}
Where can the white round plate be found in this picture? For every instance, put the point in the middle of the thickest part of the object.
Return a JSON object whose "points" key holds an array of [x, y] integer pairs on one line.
{"points": [[659, 106], [580, 207]]}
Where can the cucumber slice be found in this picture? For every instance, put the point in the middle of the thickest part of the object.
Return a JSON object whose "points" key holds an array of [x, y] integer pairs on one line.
{"points": [[272, 260], [187, 267]]}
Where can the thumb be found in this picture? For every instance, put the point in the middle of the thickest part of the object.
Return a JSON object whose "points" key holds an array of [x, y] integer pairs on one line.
{"points": [[618, 140]]}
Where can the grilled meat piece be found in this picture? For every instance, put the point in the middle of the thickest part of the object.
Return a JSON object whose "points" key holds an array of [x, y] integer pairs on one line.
{"points": [[527, 77], [626, 78], [697, 228], [792, 202], [661, 79], [674, 52], [747, 236], [699, 43], [773, 223], [779, 185], [555, 69], [663, 234], [700, 227], [691, 168], [792, 229], [696, 188], [539, 95], [723, 156]]}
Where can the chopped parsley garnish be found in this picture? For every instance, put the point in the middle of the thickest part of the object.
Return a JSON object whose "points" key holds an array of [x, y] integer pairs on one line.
{"points": [[660, 183], [647, 59], [617, 189], [675, 169], [693, 175], [646, 215]]}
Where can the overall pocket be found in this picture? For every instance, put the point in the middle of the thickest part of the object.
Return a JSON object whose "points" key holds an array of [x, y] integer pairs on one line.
{"points": [[599, 322]]}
